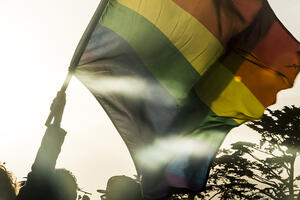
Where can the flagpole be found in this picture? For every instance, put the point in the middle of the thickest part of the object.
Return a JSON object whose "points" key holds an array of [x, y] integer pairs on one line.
{"points": [[79, 51], [61, 92], [87, 33], [67, 81]]}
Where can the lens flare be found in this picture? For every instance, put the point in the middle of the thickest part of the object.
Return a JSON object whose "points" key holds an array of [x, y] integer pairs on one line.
{"points": [[130, 87], [163, 150]]}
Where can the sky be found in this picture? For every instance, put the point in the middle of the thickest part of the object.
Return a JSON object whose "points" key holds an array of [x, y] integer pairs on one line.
{"points": [[38, 39]]}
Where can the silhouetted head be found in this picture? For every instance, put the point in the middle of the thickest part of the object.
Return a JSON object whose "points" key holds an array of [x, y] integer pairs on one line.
{"points": [[65, 185], [85, 197], [120, 187], [7, 185]]}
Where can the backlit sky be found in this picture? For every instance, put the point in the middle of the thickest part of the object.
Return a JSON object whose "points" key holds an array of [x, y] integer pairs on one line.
{"points": [[38, 39]]}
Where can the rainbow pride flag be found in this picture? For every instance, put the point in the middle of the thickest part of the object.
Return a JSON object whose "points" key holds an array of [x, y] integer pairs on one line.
{"points": [[175, 76]]}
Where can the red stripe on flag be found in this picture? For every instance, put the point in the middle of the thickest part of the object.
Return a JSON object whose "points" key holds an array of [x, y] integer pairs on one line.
{"points": [[278, 50]]}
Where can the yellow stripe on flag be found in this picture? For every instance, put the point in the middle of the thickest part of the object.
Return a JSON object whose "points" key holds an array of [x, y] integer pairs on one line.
{"points": [[227, 95], [190, 37]]}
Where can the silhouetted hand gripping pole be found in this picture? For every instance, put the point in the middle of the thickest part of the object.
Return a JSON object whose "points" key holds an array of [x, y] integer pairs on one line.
{"points": [[57, 107], [58, 104], [78, 53]]}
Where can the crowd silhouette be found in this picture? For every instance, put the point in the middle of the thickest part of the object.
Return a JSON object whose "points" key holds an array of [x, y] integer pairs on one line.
{"points": [[45, 182], [60, 184]]}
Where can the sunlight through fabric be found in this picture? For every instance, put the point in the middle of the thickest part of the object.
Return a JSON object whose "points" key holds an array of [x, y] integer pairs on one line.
{"points": [[175, 82]]}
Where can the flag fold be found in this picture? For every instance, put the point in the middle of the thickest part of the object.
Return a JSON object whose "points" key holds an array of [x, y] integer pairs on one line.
{"points": [[175, 76]]}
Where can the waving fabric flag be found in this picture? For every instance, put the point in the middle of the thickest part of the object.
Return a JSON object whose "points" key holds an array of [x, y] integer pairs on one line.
{"points": [[175, 76]]}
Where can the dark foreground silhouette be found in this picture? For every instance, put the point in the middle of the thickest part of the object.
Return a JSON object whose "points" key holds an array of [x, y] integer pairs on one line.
{"points": [[7, 185], [44, 181], [119, 187]]}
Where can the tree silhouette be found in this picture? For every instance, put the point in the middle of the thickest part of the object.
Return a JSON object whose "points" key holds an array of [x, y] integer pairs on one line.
{"points": [[263, 170], [181, 197], [260, 171]]}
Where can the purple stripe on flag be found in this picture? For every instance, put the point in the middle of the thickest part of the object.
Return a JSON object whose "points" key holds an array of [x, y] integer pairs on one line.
{"points": [[181, 182]]}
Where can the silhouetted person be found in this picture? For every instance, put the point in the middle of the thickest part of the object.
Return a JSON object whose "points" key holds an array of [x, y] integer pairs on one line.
{"points": [[7, 185], [85, 197], [65, 184], [122, 187], [44, 182]]}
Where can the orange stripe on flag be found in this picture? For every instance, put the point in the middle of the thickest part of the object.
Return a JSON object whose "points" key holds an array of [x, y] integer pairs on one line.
{"points": [[260, 81]]}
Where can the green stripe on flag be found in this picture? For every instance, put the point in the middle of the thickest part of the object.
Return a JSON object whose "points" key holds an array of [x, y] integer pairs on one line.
{"points": [[160, 56]]}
